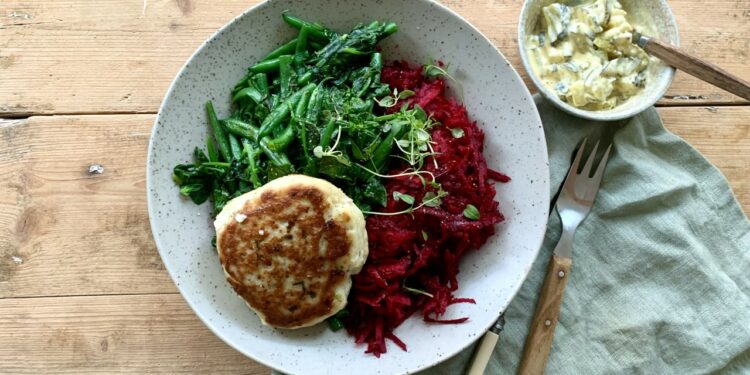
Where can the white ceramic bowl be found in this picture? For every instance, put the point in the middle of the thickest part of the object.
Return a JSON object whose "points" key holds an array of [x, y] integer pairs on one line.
{"points": [[495, 97], [652, 17]]}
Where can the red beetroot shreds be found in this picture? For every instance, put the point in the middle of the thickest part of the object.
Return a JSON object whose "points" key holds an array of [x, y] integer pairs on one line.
{"points": [[405, 272]]}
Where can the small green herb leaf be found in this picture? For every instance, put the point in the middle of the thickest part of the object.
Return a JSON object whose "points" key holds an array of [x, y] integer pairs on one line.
{"points": [[457, 132], [386, 102], [391, 101], [406, 198], [432, 199], [424, 235], [434, 70], [405, 94], [471, 212]]}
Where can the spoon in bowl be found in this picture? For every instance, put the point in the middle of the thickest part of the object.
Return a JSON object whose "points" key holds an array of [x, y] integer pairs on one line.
{"points": [[691, 65]]}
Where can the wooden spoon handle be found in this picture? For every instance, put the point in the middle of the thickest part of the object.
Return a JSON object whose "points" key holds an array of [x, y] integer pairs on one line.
{"points": [[698, 68], [542, 330]]}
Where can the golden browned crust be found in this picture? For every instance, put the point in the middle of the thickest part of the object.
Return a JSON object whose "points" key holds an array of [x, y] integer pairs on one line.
{"points": [[284, 258]]}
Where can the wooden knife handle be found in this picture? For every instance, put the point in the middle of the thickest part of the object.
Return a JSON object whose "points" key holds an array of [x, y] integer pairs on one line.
{"points": [[483, 353], [698, 68], [542, 330]]}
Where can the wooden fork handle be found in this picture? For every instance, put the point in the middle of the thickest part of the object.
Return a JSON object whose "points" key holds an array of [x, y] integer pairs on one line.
{"points": [[542, 330], [698, 68]]}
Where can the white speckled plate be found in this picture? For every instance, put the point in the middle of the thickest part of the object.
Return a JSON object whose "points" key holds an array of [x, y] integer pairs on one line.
{"points": [[495, 97]]}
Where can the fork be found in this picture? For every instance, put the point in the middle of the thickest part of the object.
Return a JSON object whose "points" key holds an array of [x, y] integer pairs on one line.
{"points": [[574, 203]]}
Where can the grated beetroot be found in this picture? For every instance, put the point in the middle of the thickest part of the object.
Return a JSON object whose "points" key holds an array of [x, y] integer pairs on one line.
{"points": [[399, 255]]}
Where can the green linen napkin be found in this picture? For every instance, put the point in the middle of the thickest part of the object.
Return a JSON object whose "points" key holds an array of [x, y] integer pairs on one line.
{"points": [[660, 282]]}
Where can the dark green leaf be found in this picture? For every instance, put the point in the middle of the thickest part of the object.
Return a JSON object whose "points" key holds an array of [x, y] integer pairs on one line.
{"points": [[198, 192], [276, 171], [200, 156], [376, 192]]}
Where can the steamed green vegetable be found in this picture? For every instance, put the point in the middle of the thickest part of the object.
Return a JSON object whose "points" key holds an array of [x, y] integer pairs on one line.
{"points": [[315, 105]]}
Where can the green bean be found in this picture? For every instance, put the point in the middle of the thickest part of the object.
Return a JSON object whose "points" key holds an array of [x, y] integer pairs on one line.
{"points": [[381, 153], [249, 132], [249, 92], [285, 74], [261, 83], [317, 31], [234, 146], [325, 138], [304, 78], [386, 117], [241, 83], [268, 66], [218, 131], [301, 46], [283, 140], [300, 54], [252, 169], [316, 101], [287, 136], [241, 128], [285, 49], [278, 159], [282, 111], [213, 156], [275, 99], [301, 108], [389, 29], [334, 324], [216, 164], [315, 46]]}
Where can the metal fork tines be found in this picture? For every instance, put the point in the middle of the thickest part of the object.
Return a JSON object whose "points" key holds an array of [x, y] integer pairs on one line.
{"points": [[577, 196], [574, 203]]}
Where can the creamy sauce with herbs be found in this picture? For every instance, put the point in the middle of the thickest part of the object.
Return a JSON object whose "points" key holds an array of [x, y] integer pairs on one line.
{"points": [[585, 54]]}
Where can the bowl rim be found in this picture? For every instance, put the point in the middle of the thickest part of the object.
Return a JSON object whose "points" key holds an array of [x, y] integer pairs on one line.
{"points": [[608, 115], [150, 183]]}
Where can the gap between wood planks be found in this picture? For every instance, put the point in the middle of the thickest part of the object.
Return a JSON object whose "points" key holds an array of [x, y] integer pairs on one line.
{"points": [[89, 295], [689, 101], [26, 115]]}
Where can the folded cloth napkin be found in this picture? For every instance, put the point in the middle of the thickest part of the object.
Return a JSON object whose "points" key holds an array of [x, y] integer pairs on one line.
{"points": [[660, 282]]}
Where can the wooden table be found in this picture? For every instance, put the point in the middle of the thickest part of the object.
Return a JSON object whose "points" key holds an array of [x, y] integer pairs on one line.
{"points": [[82, 287]]}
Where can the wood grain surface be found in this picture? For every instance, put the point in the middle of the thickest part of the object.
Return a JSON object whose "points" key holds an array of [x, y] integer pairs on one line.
{"points": [[82, 288], [132, 52], [135, 334]]}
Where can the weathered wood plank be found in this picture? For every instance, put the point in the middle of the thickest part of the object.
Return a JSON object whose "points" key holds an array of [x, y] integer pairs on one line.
{"points": [[84, 56], [112, 334], [64, 231], [722, 134]]}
